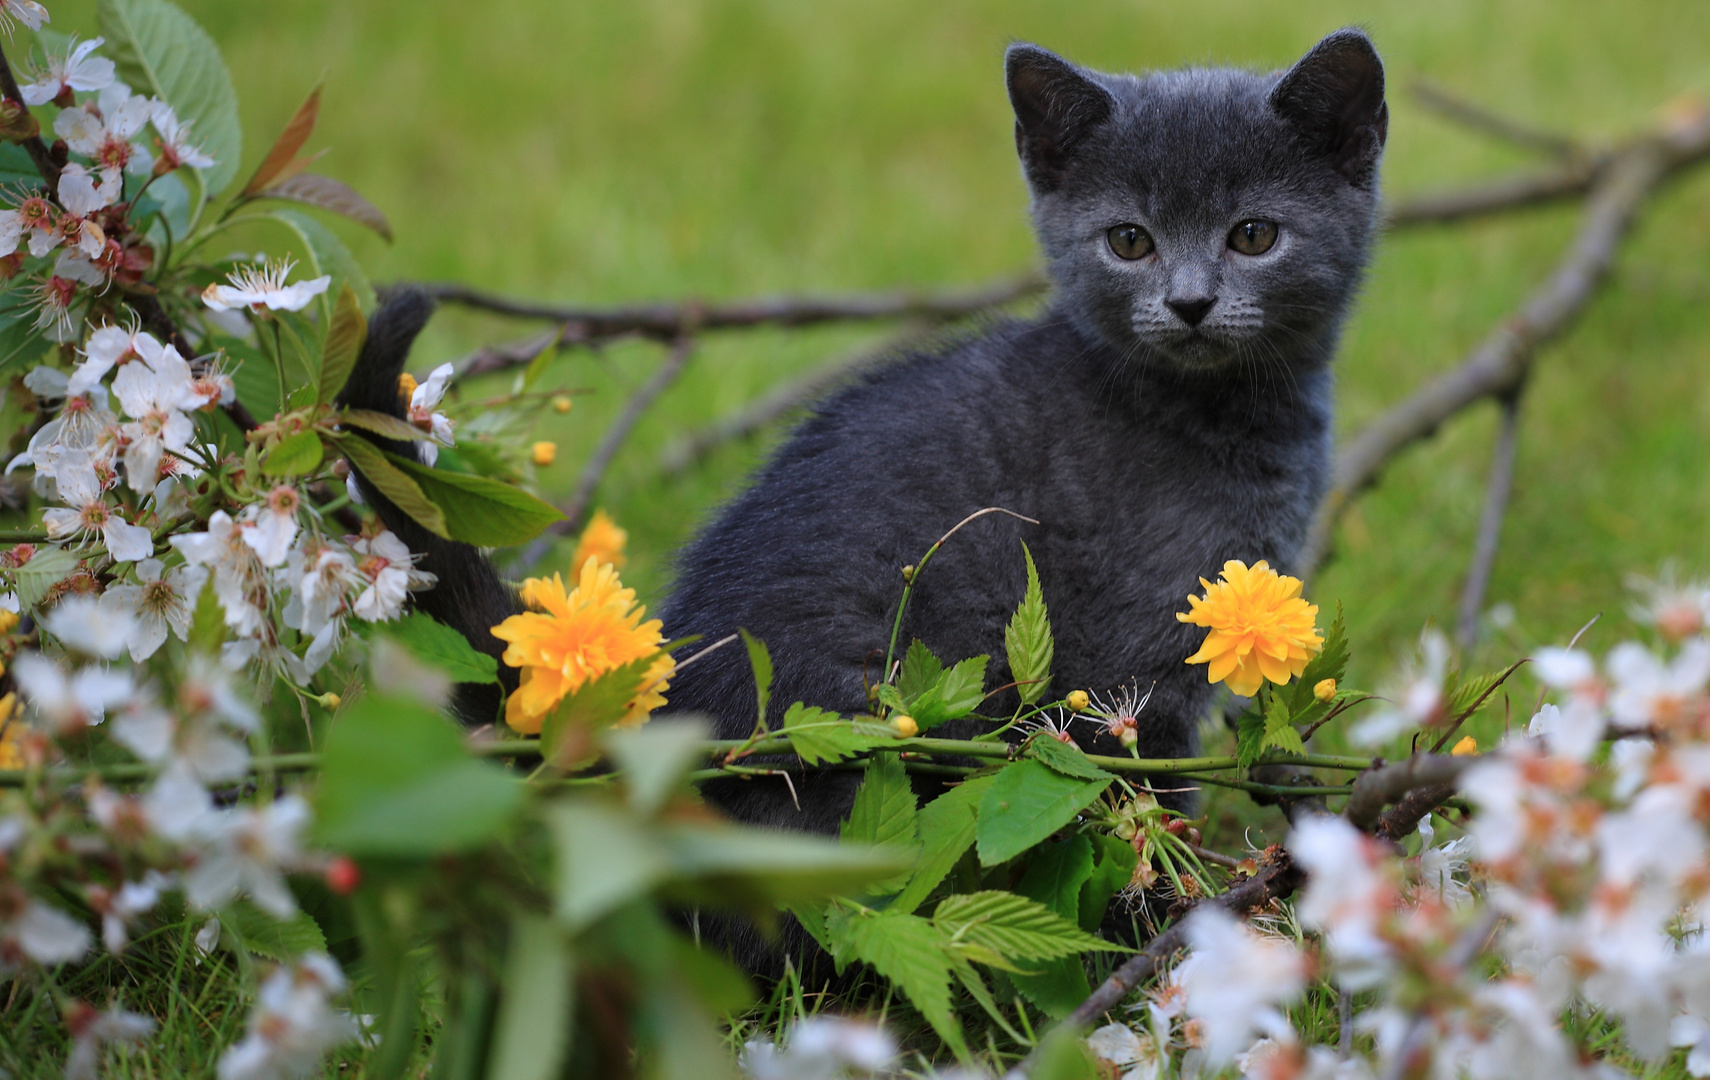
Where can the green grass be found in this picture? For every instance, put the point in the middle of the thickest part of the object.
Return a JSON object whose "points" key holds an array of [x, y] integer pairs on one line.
{"points": [[613, 150]]}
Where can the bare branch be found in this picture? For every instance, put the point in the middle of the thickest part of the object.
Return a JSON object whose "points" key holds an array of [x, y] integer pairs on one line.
{"points": [[1497, 489], [667, 322], [1479, 118], [34, 146], [1377, 788], [576, 510], [1508, 193], [689, 450], [1501, 361]]}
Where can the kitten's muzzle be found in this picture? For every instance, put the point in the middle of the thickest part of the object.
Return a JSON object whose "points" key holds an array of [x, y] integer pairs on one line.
{"points": [[1191, 309]]}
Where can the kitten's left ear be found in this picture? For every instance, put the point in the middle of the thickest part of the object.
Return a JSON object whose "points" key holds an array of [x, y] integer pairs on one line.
{"points": [[1334, 95]]}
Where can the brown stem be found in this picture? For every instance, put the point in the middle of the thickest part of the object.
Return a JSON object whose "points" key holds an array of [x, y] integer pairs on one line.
{"points": [[1496, 493], [667, 322], [34, 146], [1377, 788]]}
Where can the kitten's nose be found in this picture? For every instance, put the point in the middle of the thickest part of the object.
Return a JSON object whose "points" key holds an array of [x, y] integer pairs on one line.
{"points": [[1192, 309]]}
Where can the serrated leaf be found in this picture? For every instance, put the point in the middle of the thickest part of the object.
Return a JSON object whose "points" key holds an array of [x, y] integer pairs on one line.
{"points": [[920, 671], [397, 781], [1014, 927], [1469, 691], [1026, 803], [294, 455], [479, 511], [1280, 732], [1114, 860], [159, 50], [910, 952], [442, 648], [1330, 663], [282, 160], [884, 813], [344, 342], [956, 694], [382, 424], [274, 938], [531, 1032], [377, 468], [1027, 639], [946, 829], [1066, 758], [46, 568], [325, 193], [596, 704], [760, 660], [887, 695], [819, 736], [1249, 736]]}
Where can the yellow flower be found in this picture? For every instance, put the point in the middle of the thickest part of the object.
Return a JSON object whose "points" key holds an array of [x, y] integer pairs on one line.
{"points": [[1325, 690], [1260, 627], [571, 638], [11, 734], [8, 621], [544, 453], [603, 540], [1467, 747], [1078, 700], [905, 726]]}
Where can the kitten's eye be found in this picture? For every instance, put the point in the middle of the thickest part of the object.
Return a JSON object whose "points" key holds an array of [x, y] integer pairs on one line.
{"points": [[1253, 237], [1129, 241]]}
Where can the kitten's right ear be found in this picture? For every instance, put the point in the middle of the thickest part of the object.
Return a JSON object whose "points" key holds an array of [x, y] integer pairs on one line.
{"points": [[1334, 96], [1055, 106]]}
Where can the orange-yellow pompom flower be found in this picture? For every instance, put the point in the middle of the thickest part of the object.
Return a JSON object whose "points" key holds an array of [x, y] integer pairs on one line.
{"points": [[603, 540], [570, 638], [1260, 627]]}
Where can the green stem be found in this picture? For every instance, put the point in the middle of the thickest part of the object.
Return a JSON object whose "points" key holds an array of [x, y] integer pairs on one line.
{"points": [[23, 536]]}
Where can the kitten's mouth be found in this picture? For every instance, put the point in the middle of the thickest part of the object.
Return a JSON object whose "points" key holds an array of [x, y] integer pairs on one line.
{"points": [[1196, 349]]}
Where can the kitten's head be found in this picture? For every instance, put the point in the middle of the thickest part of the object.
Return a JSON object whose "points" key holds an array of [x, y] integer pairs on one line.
{"points": [[1205, 216]]}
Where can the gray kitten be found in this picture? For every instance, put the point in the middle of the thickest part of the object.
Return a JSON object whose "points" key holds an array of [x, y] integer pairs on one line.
{"points": [[1205, 230]]}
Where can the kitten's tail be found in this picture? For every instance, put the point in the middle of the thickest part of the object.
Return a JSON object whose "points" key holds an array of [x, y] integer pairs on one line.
{"points": [[470, 596]]}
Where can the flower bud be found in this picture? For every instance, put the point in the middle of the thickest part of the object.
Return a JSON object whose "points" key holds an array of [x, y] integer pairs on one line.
{"points": [[328, 700], [1467, 747], [544, 453], [561, 403], [905, 726], [1129, 737], [1078, 700], [908, 574], [8, 621], [1324, 690]]}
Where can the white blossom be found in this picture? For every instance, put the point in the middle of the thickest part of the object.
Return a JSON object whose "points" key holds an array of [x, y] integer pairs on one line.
{"points": [[76, 70], [388, 567], [1234, 980], [102, 130], [1349, 891], [239, 579], [45, 934], [81, 623], [90, 514], [108, 347], [294, 1023], [262, 287], [91, 1029], [424, 401], [120, 908], [163, 602], [198, 734], [28, 12], [68, 703], [178, 807], [272, 525], [176, 149], [82, 192], [245, 850], [821, 1047], [1416, 702], [1649, 692], [154, 394]]}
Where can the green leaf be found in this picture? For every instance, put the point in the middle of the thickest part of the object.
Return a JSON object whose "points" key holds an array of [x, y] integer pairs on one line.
{"points": [[910, 952], [536, 1010], [327, 255], [1250, 735], [443, 649], [721, 988], [162, 51], [1027, 639], [1014, 927], [1066, 759], [819, 736], [595, 705], [603, 859], [1470, 690], [1056, 874], [480, 511], [654, 759], [1026, 803], [760, 659], [17, 168], [276, 939], [920, 671], [1113, 869], [344, 343], [208, 621], [1280, 733], [757, 870], [956, 693], [1063, 1055], [396, 780], [46, 568], [1330, 663], [294, 455], [384, 425], [884, 814], [946, 828], [376, 467], [334, 196]]}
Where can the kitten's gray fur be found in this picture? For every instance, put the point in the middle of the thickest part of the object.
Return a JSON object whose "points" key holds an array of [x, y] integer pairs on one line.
{"points": [[1152, 437]]}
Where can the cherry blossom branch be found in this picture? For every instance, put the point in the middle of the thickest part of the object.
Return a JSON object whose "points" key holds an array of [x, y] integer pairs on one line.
{"points": [[1377, 788], [1497, 491], [1502, 360], [34, 146], [668, 322]]}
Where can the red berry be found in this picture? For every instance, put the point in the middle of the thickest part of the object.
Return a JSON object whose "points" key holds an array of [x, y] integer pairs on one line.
{"points": [[343, 875]]}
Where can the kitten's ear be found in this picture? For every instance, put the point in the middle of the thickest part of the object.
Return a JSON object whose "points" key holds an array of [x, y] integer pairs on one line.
{"points": [[1055, 106], [1334, 95]]}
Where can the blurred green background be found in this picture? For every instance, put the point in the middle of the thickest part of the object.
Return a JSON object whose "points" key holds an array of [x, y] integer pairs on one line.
{"points": [[611, 150]]}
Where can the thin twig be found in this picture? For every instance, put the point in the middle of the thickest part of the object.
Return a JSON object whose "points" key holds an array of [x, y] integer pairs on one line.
{"points": [[1496, 493], [1377, 788], [667, 322], [576, 510], [34, 146], [1469, 114], [690, 450], [1502, 360]]}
